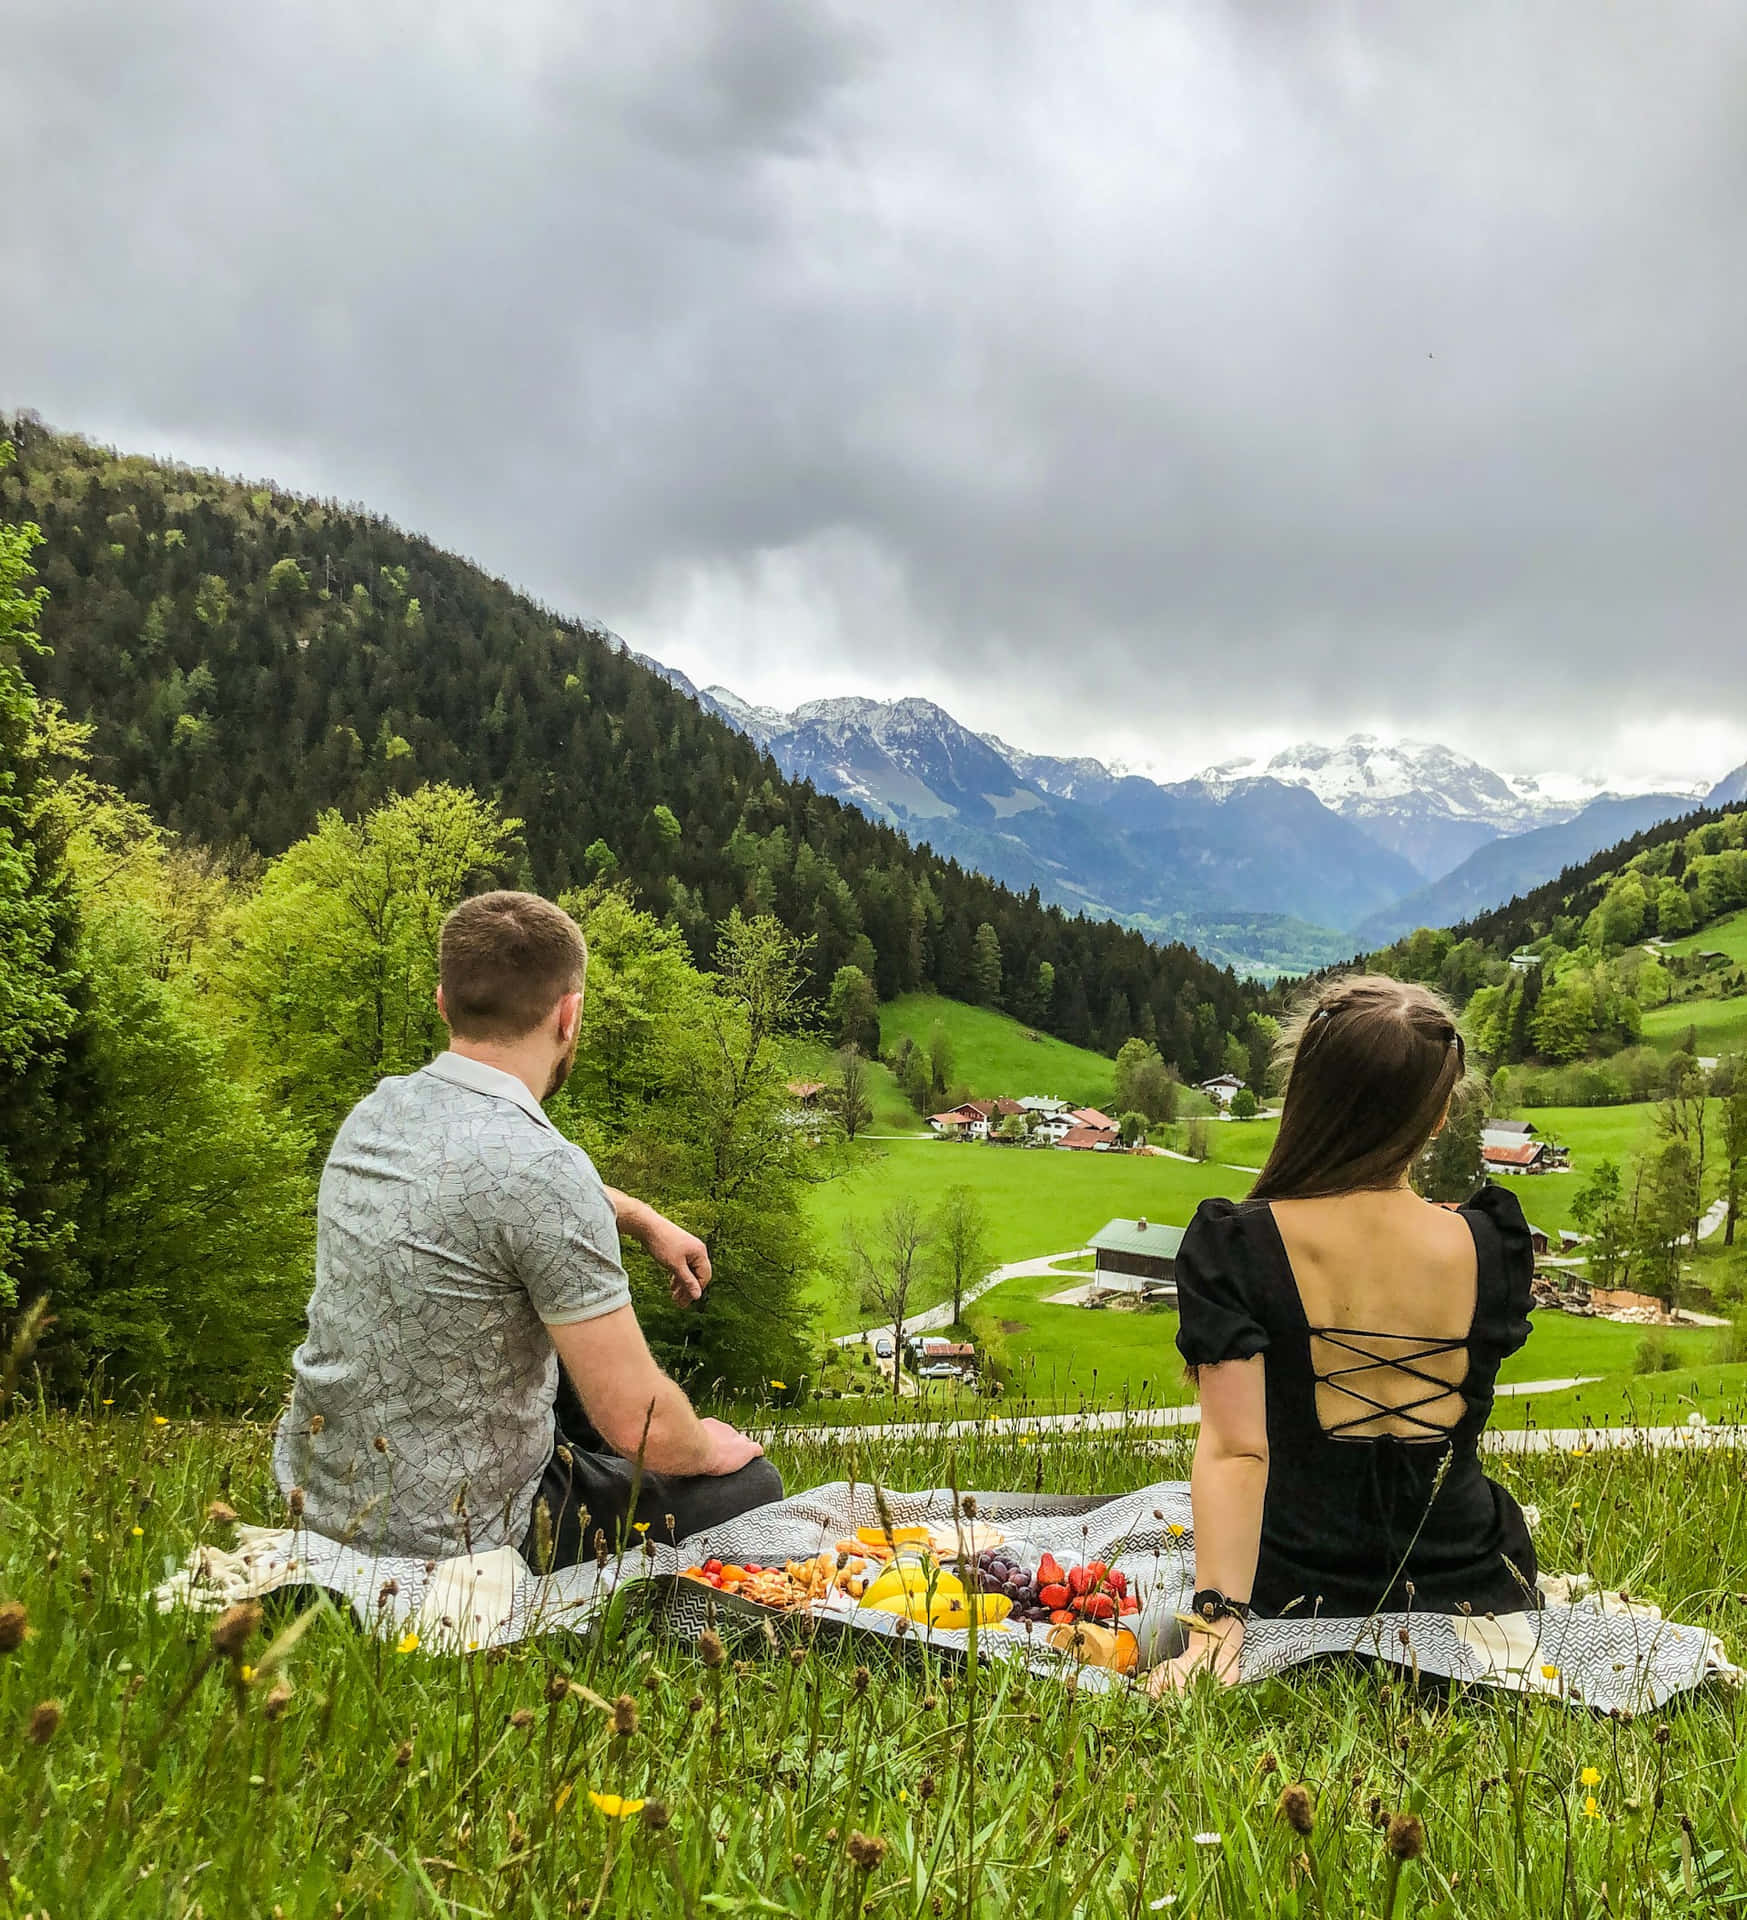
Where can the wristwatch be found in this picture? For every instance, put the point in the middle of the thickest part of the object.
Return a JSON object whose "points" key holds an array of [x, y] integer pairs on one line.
{"points": [[1210, 1605]]}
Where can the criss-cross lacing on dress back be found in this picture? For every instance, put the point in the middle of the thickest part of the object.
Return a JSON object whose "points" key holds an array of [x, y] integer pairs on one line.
{"points": [[1376, 1418]]}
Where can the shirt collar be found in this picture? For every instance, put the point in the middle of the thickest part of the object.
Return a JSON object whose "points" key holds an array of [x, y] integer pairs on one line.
{"points": [[479, 1078]]}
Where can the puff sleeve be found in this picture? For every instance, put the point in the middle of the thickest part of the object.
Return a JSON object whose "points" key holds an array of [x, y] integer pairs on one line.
{"points": [[1218, 1297], [1507, 1267]]}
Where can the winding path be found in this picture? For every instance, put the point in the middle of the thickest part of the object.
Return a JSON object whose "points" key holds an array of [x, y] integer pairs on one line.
{"points": [[932, 1318]]}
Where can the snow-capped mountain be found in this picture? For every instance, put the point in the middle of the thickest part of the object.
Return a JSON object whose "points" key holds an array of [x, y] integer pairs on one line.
{"points": [[1424, 800]]}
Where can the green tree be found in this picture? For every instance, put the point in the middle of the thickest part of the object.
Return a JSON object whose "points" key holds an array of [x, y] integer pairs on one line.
{"points": [[852, 1010], [1733, 1141], [1131, 1129], [1667, 1205], [961, 1242], [1449, 1167], [1603, 1214], [910, 1066], [1143, 1082], [849, 1098], [42, 986], [986, 965], [940, 1056], [332, 963], [886, 1260]]}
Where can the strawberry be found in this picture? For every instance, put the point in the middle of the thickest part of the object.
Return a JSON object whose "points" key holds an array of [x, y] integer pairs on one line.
{"points": [[1117, 1581], [1053, 1596], [1099, 1606], [1062, 1617], [1079, 1581], [1049, 1572]]}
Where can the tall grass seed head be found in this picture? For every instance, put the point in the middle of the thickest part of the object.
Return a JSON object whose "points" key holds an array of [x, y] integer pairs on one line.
{"points": [[14, 1626], [233, 1628], [1297, 1808], [1405, 1836], [866, 1850], [624, 1716], [44, 1723], [710, 1648]]}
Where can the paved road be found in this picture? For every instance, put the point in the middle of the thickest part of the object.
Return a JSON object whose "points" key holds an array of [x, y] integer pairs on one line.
{"points": [[1113, 1420], [933, 1318]]}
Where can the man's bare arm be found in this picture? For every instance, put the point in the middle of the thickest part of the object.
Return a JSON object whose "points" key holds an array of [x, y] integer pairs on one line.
{"points": [[628, 1397], [683, 1254]]}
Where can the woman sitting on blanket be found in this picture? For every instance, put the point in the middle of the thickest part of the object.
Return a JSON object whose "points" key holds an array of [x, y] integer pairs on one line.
{"points": [[1347, 1336]]}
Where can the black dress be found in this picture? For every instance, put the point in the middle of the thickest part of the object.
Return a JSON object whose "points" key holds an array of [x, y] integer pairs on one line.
{"points": [[1349, 1523]]}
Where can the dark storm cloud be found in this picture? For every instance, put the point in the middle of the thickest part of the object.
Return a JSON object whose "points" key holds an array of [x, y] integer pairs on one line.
{"points": [[1117, 371]]}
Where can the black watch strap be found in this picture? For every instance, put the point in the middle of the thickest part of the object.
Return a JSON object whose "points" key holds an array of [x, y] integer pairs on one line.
{"points": [[1210, 1604]]}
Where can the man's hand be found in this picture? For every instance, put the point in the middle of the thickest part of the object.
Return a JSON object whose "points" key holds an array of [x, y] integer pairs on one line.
{"points": [[683, 1254], [730, 1449]]}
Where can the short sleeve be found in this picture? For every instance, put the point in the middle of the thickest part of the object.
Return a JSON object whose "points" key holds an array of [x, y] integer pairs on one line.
{"points": [[1216, 1289], [1506, 1254], [561, 1237]]}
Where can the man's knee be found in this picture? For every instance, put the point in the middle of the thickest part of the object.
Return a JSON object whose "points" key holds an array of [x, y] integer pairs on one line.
{"points": [[759, 1482]]}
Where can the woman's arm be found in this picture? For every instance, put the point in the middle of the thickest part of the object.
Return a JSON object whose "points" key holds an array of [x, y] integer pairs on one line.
{"points": [[1229, 1481]]}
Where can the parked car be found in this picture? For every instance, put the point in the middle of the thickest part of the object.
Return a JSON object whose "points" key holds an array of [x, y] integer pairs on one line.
{"points": [[882, 1348]]}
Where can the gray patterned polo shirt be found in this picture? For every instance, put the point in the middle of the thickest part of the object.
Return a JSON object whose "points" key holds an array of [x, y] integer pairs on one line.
{"points": [[455, 1224]]}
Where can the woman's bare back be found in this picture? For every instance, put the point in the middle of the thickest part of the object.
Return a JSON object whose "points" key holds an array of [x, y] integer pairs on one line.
{"points": [[1388, 1284]]}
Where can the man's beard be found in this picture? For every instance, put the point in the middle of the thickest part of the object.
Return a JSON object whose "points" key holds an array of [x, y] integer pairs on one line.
{"points": [[560, 1071]]}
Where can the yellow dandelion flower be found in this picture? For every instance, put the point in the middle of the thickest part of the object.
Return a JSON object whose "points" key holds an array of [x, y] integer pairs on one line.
{"points": [[158, 1420], [1590, 1777], [407, 1643], [642, 1526], [1027, 1440], [781, 1386], [1549, 1673], [139, 1533], [613, 1806], [109, 1402], [1590, 1809], [245, 1674], [1176, 1530]]}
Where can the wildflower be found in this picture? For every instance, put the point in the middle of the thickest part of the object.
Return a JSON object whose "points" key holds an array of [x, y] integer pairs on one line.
{"points": [[158, 1420], [641, 1526], [1589, 1777], [781, 1386], [245, 1674], [407, 1643], [624, 1716], [614, 1806], [232, 1629], [139, 1533], [110, 1402], [1590, 1809], [14, 1626], [1208, 1839], [1297, 1808], [1406, 1836], [1176, 1530], [1549, 1673], [867, 1850]]}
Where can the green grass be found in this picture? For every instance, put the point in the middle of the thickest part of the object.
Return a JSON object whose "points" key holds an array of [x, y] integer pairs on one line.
{"points": [[1728, 935], [1037, 1200], [1718, 1026], [420, 1787], [892, 1113], [993, 1054]]}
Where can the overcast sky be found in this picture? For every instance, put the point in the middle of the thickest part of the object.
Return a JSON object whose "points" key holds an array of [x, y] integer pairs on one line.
{"points": [[1156, 380]]}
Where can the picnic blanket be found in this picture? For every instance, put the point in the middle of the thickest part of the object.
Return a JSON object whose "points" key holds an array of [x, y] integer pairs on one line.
{"points": [[1583, 1647]]}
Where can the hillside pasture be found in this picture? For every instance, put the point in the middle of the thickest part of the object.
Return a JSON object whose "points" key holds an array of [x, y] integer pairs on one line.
{"points": [[1728, 935], [1717, 1026], [995, 1054]]}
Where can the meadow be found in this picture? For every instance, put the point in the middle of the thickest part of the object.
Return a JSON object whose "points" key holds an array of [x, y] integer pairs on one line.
{"points": [[1717, 1026], [1728, 935], [304, 1769], [994, 1054]]}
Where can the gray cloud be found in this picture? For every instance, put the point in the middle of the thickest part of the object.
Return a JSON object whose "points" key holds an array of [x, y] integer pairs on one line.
{"points": [[1130, 376]]}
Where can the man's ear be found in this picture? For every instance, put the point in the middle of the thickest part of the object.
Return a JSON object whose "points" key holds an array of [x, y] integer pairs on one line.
{"points": [[442, 1008], [569, 1017]]}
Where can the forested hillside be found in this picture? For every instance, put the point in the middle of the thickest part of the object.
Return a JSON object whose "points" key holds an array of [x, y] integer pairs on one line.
{"points": [[249, 658]]}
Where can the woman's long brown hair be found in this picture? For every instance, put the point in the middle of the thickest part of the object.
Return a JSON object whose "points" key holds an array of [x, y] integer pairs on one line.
{"points": [[1374, 1064]]}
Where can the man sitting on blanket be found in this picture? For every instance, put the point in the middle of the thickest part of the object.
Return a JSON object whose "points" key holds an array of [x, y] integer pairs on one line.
{"points": [[464, 1248]]}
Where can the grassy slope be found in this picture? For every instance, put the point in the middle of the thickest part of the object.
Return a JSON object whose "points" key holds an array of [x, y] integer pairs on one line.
{"points": [[1728, 935], [1720, 1026], [892, 1113], [992, 1054], [167, 1782]]}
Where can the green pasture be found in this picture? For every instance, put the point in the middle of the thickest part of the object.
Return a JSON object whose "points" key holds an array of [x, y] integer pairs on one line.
{"points": [[1037, 1200], [1728, 935], [1717, 1026], [303, 1767], [892, 1113], [994, 1054]]}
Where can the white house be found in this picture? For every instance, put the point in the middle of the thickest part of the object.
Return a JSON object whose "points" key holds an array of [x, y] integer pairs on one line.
{"points": [[1223, 1089]]}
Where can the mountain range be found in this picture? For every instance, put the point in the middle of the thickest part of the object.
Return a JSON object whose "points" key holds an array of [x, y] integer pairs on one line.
{"points": [[1277, 866]]}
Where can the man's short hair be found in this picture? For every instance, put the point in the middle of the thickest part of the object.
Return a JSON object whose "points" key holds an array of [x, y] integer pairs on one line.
{"points": [[505, 960]]}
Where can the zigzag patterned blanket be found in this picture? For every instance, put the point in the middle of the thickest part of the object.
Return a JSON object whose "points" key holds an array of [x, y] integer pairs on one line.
{"points": [[1583, 1648]]}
